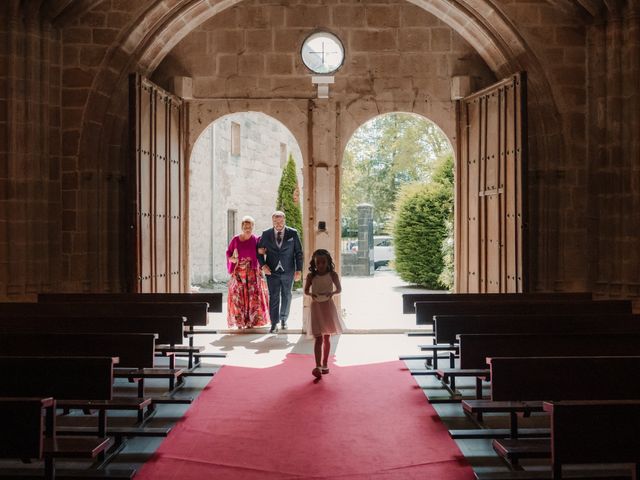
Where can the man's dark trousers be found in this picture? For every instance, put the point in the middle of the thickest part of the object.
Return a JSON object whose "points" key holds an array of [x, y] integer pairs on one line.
{"points": [[280, 285]]}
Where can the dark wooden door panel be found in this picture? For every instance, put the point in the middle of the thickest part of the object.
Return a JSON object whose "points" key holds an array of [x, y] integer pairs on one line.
{"points": [[176, 195], [490, 202], [157, 193]]}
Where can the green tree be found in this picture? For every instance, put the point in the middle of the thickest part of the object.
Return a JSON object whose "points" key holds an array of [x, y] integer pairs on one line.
{"points": [[384, 154], [289, 199], [421, 232]]}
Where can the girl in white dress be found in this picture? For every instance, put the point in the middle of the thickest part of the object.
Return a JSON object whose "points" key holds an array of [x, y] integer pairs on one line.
{"points": [[325, 321]]}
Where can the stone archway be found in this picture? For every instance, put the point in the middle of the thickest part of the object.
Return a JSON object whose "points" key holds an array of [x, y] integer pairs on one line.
{"points": [[225, 185], [367, 170], [158, 29]]}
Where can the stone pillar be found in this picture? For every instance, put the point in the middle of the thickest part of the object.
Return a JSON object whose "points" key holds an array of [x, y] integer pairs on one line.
{"points": [[365, 239], [631, 142]]}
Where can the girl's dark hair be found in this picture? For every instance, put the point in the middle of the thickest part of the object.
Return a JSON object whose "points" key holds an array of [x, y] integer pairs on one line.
{"points": [[323, 253]]}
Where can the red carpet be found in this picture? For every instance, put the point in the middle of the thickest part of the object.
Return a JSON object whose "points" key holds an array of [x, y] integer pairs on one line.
{"points": [[362, 422]]}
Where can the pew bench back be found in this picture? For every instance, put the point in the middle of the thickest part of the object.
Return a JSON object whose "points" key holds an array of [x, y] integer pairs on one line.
{"points": [[448, 327], [169, 330], [425, 311], [213, 299], [409, 299], [64, 378], [474, 349], [564, 378], [23, 426], [194, 313], [133, 350], [577, 439]]}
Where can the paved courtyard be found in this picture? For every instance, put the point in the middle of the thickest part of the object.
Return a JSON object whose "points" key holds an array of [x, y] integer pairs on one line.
{"points": [[372, 303]]}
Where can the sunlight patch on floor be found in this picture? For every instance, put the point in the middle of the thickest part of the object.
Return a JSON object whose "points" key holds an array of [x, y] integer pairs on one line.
{"points": [[267, 350]]}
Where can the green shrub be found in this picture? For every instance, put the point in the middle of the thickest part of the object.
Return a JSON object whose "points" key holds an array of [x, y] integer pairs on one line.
{"points": [[420, 229], [289, 199], [447, 276]]}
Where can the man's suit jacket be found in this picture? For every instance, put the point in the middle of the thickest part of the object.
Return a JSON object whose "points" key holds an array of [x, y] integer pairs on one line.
{"points": [[289, 254]]}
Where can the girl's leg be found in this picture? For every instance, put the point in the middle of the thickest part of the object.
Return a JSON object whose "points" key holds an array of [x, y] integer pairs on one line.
{"points": [[317, 350], [326, 350]]}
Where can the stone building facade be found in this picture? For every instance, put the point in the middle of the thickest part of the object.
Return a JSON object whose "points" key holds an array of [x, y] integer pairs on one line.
{"points": [[64, 133], [224, 185]]}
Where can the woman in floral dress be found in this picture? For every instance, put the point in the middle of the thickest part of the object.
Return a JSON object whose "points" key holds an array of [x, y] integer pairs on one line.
{"points": [[248, 298]]}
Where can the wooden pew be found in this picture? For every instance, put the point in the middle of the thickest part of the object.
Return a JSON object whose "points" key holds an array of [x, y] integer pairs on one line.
{"points": [[26, 436], [213, 299], [555, 379], [474, 350], [134, 351], [550, 378], [409, 299], [195, 315], [564, 378], [169, 331], [448, 327], [579, 440], [74, 382], [612, 439], [425, 311]]}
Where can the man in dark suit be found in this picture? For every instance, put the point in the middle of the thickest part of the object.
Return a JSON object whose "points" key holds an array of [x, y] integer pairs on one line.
{"points": [[282, 266]]}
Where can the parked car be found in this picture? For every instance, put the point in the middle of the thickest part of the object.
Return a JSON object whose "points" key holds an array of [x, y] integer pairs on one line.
{"points": [[382, 251]]}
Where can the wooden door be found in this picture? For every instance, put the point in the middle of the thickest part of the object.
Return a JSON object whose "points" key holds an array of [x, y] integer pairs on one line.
{"points": [[157, 192], [490, 189]]}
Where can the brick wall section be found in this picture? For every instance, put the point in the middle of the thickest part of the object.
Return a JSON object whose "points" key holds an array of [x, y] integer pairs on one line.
{"points": [[589, 193], [30, 217], [557, 179], [253, 50], [94, 165], [613, 118]]}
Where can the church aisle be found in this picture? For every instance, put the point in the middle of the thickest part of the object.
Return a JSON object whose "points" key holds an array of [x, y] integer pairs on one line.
{"points": [[366, 421]]}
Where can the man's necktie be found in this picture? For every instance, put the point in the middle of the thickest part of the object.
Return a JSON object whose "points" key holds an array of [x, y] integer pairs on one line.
{"points": [[279, 238]]}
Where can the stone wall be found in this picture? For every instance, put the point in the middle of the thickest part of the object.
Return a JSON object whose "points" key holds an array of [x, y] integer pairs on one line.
{"points": [[399, 58], [247, 183], [612, 152], [30, 164], [64, 131]]}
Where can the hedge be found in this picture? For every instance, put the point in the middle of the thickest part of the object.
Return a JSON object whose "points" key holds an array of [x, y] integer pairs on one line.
{"points": [[421, 230]]}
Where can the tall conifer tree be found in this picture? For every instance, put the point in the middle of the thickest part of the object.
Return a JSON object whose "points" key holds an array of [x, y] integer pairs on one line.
{"points": [[289, 199]]}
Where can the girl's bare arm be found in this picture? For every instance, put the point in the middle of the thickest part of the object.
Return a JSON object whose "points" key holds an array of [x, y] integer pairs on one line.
{"points": [[336, 281], [307, 285]]}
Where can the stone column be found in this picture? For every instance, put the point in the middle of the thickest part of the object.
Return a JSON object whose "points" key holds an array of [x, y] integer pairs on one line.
{"points": [[615, 157], [631, 142], [365, 239]]}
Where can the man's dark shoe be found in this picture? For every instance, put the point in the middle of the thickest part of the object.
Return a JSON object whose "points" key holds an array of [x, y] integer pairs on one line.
{"points": [[283, 325], [274, 328]]}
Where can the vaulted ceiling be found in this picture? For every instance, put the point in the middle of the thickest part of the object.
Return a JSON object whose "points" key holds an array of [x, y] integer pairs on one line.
{"points": [[591, 9], [63, 12]]}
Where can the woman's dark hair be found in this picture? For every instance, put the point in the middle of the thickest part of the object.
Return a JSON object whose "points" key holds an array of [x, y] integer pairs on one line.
{"points": [[321, 253]]}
